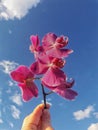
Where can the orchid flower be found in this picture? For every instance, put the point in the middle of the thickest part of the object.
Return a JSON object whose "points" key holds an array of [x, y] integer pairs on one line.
{"points": [[25, 78], [64, 90], [49, 61], [35, 46], [50, 67], [53, 45]]}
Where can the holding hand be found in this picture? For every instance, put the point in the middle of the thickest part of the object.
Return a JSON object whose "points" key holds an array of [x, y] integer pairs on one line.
{"points": [[39, 119]]}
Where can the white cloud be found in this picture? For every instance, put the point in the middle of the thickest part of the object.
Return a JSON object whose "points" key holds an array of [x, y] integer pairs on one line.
{"points": [[82, 114], [10, 9], [10, 31], [16, 98], [8, 91], [48, 101], [11, 124], [95, 114], [0, 100], [12, 83], [15, 112], [1, 121], [93, 126], [7, 66]]}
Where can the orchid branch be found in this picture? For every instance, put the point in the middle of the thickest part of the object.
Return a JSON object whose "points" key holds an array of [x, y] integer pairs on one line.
{"points": [[44, 96]]}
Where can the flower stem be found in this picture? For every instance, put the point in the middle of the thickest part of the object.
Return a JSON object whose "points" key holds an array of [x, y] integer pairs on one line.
{"points": [[44, 96], [49, 92]]}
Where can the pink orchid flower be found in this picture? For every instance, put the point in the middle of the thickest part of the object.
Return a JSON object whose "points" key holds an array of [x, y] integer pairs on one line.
{"points": [[50, 67], [35, 46], [53, 45], [25, 79], [64, 90]]}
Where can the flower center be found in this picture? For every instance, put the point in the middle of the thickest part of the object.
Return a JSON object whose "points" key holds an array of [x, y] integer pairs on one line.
{"points": [[28, 81], [61, 41], [59, 62]]}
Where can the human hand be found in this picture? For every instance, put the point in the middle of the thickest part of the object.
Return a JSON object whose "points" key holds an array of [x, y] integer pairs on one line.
{"points": [[39, 119]]}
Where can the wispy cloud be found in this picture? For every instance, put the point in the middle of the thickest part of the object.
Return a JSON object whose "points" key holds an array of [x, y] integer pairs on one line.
{"points": [[10, 9], [11, 124], [16, 98], [93, 126], [48, 100], [7, 66], [0, 96], [0, 100], [12, 83], [82, 114], [10, 31], [1, 121], [95, 114], [8, 90], [15, 112]]}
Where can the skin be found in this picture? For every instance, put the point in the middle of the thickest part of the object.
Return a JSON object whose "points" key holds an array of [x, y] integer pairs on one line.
{"points": [[39, 119]]}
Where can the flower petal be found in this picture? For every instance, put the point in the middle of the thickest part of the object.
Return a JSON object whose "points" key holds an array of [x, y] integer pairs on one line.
{"points": [[21, 73], [38, 68], [53, 77], [59, 53], [65, 93], [17, 76], [69, 84], [35, 42], [63, 90], [28, 92], [48, 40], [61, 41]]}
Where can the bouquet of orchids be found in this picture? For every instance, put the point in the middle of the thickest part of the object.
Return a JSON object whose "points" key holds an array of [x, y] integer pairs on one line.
{"points": [[49, 60]]}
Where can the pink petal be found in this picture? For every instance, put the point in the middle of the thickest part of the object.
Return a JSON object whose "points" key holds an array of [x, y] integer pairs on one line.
{"points": [[25, 71], [21, 73], [42, 64], [48, 40], [53, 77], [61, 41], [39, 52], [69, 84], [44, 59], [63, 90], [65, 93], [38, 68], [35, 67], [35, 41], [28, 92], [17, 76], [59, 53]]}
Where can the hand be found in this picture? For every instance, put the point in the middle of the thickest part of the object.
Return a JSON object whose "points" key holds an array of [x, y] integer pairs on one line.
{"points": [[39, 119]]}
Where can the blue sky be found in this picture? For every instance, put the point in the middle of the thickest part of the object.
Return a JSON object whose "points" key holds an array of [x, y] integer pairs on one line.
{"points": [[76, 19]]}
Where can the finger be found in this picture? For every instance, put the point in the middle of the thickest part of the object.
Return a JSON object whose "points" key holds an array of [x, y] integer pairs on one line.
{"points": [[35, 116], [33, 119], [46, 120], [46, 116], [29, 127]]}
